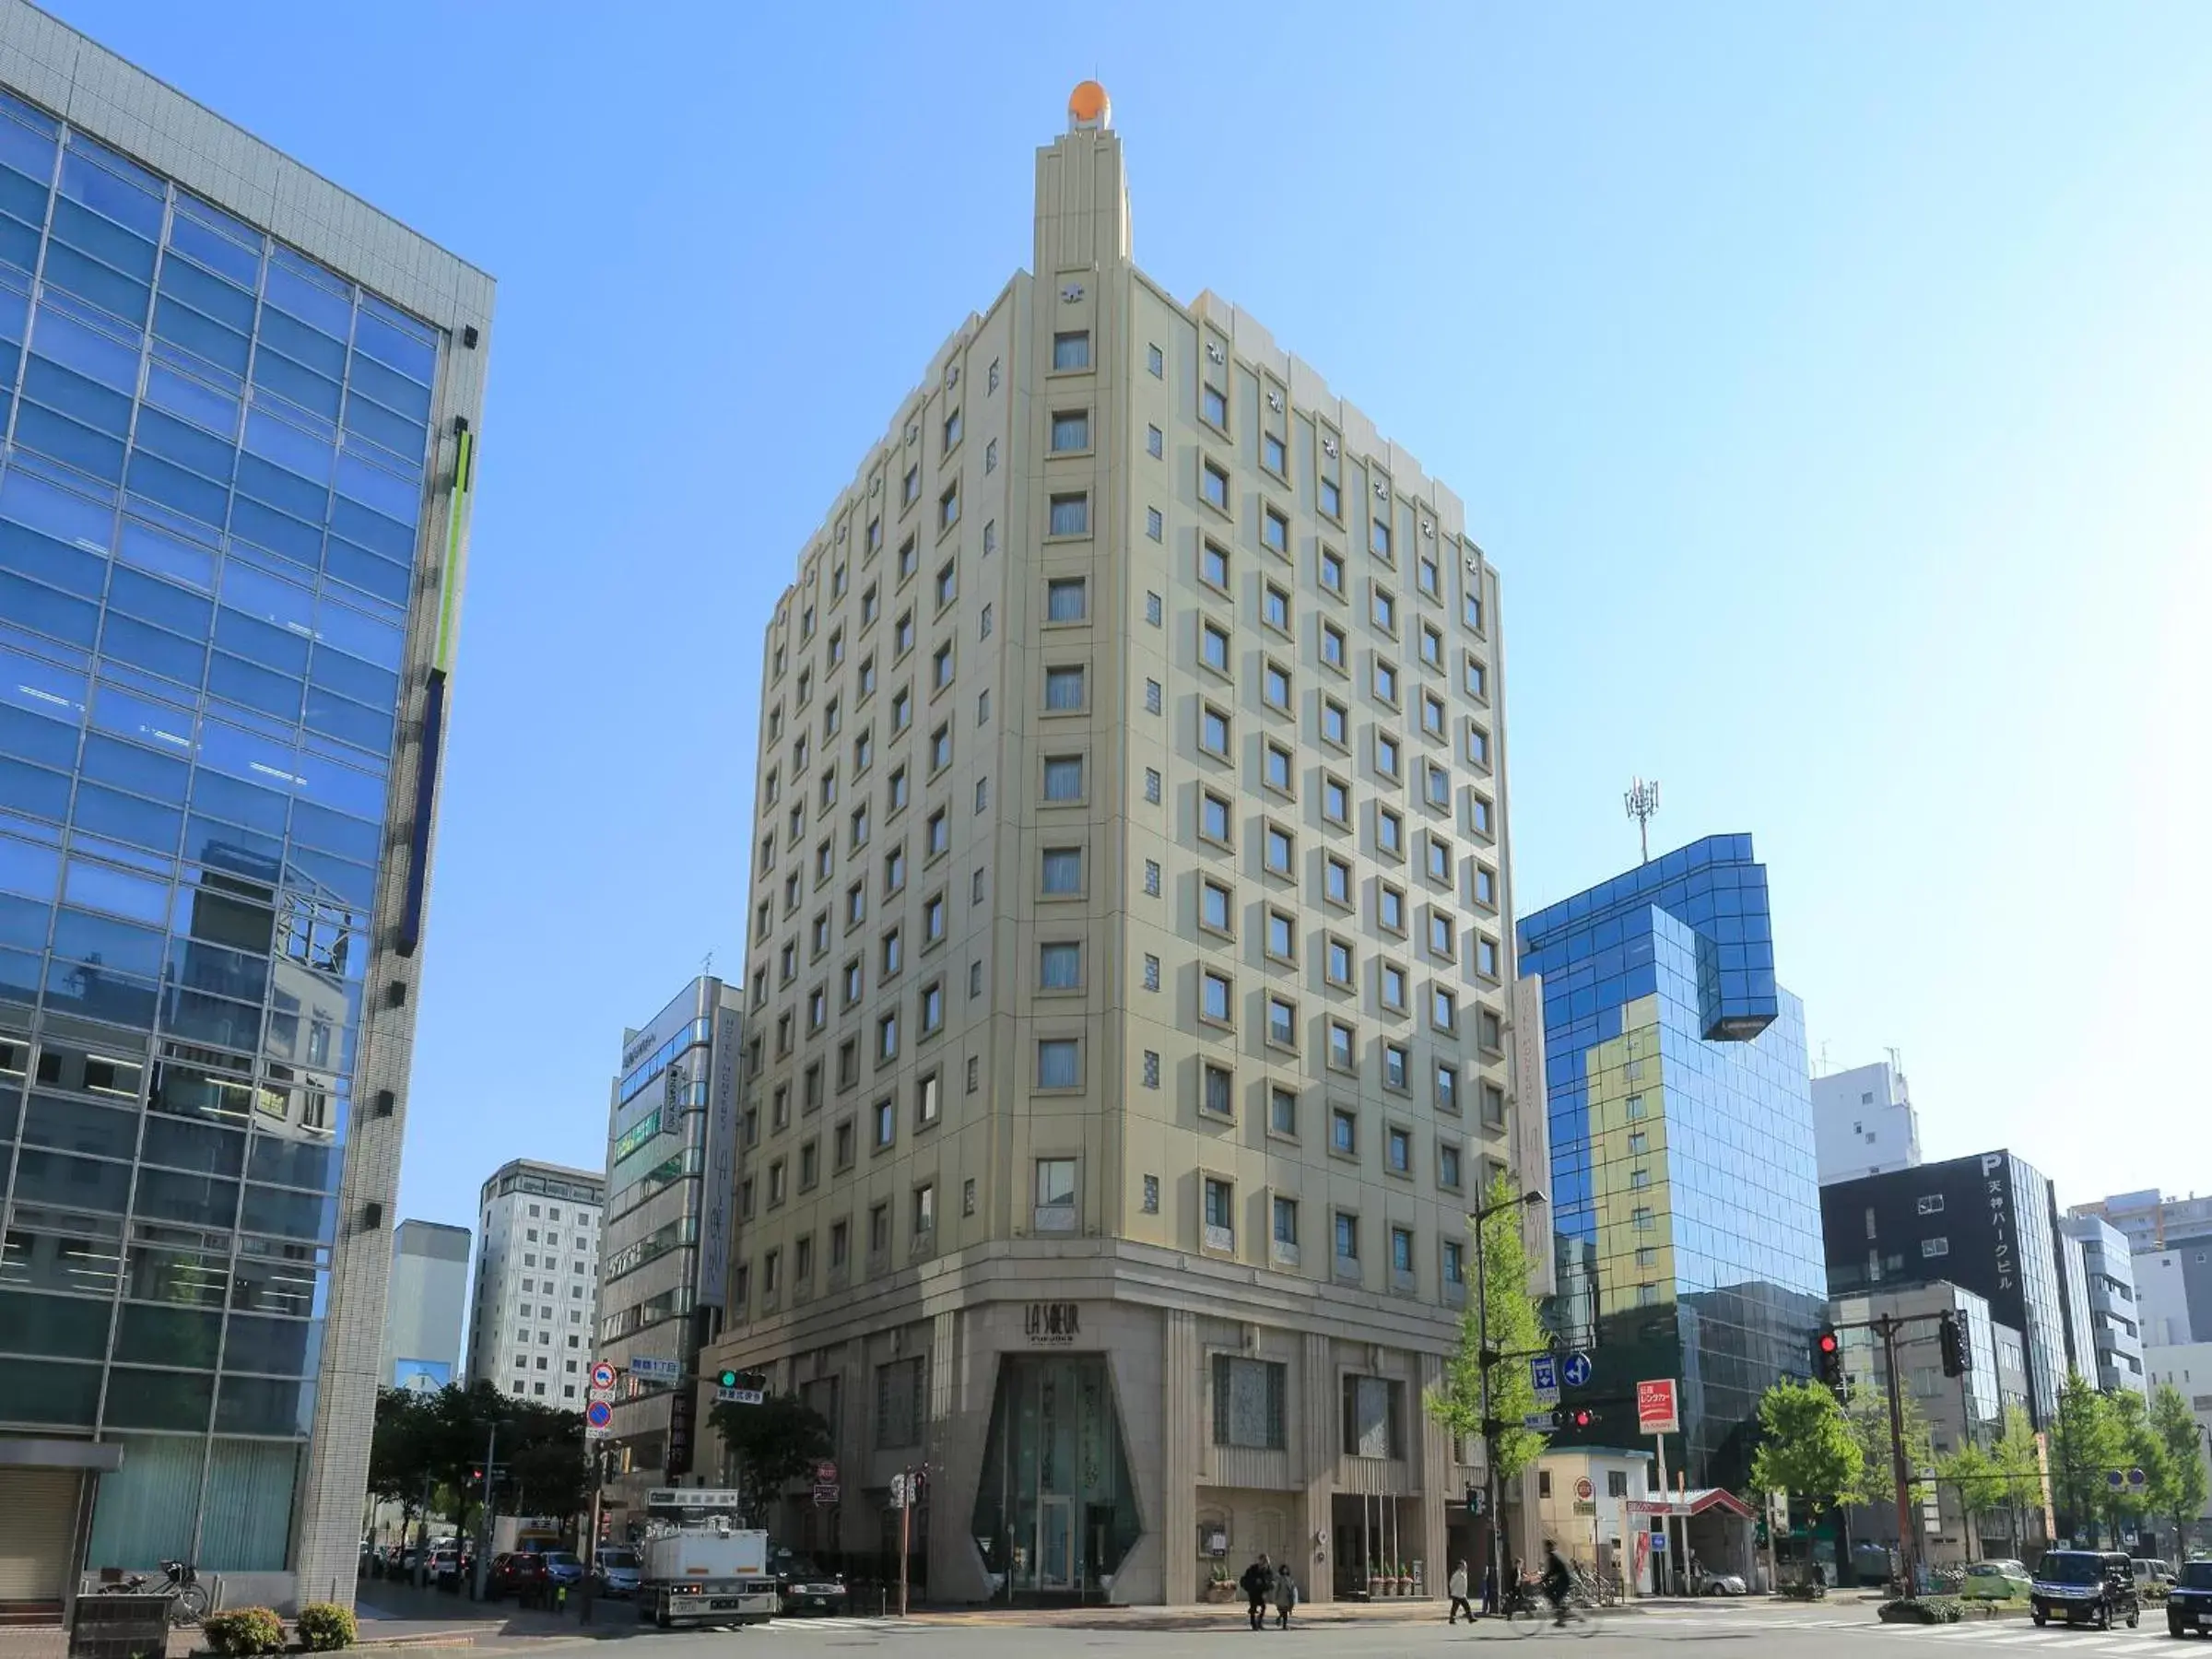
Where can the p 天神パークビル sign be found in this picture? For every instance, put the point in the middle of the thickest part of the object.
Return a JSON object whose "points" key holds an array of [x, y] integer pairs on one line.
{"points": [[1655, 1412]]}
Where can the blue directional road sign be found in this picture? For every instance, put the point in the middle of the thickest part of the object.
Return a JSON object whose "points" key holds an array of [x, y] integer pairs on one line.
{"points": [[1543, 1376], [1577, 1370]]}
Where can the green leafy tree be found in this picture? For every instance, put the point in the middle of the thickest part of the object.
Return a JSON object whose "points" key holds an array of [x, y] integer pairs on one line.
{"points": [[1867, 1411], [1507, 1321], [2181, 1490], [1807, 1448], [770, 1444], [2084, 1444], [2135, 1445], [2020, 1469], [1973, 1475]]}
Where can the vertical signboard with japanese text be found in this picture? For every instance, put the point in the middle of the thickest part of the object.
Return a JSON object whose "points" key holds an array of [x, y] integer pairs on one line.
{"points": [[720, 1181]]}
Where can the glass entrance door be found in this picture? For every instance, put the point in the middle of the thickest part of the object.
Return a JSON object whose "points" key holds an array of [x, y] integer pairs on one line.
{"points": [[1055, 1543]]}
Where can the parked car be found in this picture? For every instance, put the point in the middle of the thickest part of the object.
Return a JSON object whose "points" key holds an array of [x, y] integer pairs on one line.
{"points": [[2189, 1604], [519, 1572], [806, 1586], [2085, 1587], [445, 1567], [563, 1570], [1720, 1584], [615, 1569], [2152, 1575], [1996, 1581]]}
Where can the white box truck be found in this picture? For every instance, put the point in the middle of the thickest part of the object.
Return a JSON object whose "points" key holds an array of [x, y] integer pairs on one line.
{"points": [[696, 1566]]}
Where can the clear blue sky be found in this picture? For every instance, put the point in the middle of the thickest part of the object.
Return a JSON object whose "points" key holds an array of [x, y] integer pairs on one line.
{"points": [[1833, 387]]}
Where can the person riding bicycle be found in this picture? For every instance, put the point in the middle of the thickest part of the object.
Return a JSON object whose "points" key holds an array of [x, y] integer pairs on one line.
{"points": [[1557, 1582]]}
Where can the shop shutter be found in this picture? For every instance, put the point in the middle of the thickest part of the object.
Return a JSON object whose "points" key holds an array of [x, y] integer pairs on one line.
{"points": [[38, 1519]]}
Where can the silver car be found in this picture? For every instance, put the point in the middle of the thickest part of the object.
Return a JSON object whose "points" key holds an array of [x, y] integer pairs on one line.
{"points": [[615, 1571]]}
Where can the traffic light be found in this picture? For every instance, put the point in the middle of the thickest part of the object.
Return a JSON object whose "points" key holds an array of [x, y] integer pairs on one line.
{"points": [[726, 1378], [1956, 1359], [1829, 1350], [1582, 1417]]}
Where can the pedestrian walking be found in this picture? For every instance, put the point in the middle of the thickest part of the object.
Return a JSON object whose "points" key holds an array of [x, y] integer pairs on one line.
{"points": [[1459, 1595], [1286, 1596], [1258, 1584], [1490, 1586]]}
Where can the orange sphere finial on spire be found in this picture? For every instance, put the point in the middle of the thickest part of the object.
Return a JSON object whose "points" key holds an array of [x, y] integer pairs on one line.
{"points": [[1088, 108]]}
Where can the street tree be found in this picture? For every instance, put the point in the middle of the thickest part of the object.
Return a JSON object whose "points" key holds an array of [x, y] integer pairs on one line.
{"points": [[2021, 1471], [1807, 1448], [2182, 1484], [1504, 1317], [2135, 1445], [770, 1444], [1867, 1411], [1973, 1474], [2084, 1446]]}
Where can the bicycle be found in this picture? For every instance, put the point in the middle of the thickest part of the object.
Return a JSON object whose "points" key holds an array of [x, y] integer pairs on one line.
{"points": [[188, 1599], [1526, 1613]]}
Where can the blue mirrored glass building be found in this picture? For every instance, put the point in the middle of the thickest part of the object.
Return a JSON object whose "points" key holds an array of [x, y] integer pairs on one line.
{"points": [[238, 408], [1684, 1193]]}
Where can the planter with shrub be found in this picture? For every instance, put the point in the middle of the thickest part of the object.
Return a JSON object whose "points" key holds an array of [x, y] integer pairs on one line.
{"points": [[324, 1627], [243, 1631], [1922, 1609]]}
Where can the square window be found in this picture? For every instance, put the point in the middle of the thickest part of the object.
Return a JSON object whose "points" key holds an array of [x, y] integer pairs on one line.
{"points": [[1275, 767], [1063, 778], [1395, 1067], [949, 508], [1331, 572], [1064, 689], [1336, 882], [1275, 685], [1390, 908], [1066, 599], [1342, 1054], [1213, 406], [1344, 1131], [1437, 859], [1388, 756], [1401, 1251], [1213, 565], [1282, 1022], [1217, 1091], [1273, 455], [1378, 540], [1060, 871], [1337, 962], [1397, 1150], [1348, 1238], [1059, 1063], [1213, 646], [1333, 646], [1070, 514], [1336, 724], [1213, 818], [1214, 908], [1071, 429], [1274, 608], [947, 586], [1335, 800], [1443, 1008], [1275, 531], [1447, 1087], [1280, 850], [1386, 681], [1385, 610], [1282, 936], [1071, 351], [1059, 966], [1213, 484], [1447, 1166], [1213, 731], [1441, 941], [1391, 986], [1214, 993]]}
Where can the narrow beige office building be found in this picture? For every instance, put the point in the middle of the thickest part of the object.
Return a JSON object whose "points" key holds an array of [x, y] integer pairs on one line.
{"points": [[1127, 973]]}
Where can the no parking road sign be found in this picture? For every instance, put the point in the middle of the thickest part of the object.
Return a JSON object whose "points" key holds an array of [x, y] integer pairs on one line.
{"points": [[598, 1417]]}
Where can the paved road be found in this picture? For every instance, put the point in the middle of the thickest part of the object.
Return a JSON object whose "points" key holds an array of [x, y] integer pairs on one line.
{"points": [[1843, 1632]]}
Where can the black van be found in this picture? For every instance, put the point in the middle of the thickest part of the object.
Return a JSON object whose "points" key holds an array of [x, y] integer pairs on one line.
{"points": [[2085, 1587]]}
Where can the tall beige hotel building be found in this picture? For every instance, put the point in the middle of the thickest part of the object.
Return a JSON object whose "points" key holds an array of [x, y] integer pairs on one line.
{"points": [[1126, 985]]}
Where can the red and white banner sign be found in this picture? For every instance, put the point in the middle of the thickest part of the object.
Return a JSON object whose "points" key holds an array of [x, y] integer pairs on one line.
{"points": [[1655, 1412]]}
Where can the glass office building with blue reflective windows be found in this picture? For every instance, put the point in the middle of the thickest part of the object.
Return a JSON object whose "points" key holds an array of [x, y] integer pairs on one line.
{"points": [[233, 504], [1684, 1186]]}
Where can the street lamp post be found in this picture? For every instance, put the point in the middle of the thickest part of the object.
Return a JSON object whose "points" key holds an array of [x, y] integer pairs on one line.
{"points": [[1486, 1356]]}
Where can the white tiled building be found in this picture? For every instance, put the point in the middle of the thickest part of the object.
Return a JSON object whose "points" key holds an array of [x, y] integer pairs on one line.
{"points": [[534, 1302]]}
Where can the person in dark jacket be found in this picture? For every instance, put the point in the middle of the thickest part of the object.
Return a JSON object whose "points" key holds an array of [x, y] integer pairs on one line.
{"points": [[1258, 1584], [1490, 1585]]}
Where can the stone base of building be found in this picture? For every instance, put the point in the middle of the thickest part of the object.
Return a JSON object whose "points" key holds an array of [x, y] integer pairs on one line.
{"points": [[1100, 1421]]}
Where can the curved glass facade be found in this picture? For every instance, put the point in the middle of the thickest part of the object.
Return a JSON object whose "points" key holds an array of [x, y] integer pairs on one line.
{"points": [[213, 475], [1684, 1186]]}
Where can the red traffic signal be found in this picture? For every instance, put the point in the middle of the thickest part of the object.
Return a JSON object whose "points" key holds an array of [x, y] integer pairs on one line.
{"points": [[1828, 1348], [1582, 1417]]}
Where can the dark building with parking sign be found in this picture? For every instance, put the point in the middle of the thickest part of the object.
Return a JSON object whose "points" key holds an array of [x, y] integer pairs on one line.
{"points": [[1987, 1223]]}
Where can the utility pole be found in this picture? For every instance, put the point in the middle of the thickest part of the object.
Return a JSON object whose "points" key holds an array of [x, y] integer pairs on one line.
{"points": [[483, 1573], [1908, 1546]]}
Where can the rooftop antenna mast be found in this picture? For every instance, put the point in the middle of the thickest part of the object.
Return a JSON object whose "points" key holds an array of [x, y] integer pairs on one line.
{"points": [[1643, 803]]}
